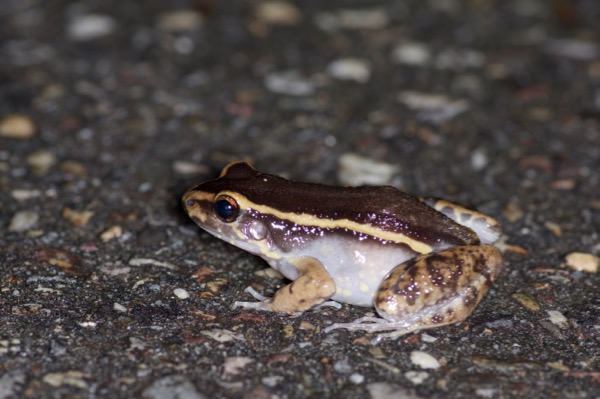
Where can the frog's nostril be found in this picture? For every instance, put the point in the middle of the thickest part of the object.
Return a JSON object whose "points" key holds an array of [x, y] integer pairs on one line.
{"points": [[190, 203]]}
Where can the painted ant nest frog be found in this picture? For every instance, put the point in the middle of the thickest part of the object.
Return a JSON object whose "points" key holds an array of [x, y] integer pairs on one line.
{"points": [[422, 263]]}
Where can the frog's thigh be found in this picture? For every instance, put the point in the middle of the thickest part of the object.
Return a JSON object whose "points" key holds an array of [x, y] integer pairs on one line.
{"points": [[313, 287], [438, 289]]}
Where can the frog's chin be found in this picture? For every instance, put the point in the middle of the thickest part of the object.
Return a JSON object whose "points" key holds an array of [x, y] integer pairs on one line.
{"points": [[232, 239]]}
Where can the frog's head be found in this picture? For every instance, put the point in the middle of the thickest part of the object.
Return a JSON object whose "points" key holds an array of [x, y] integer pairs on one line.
{"points": [[221, 208]]}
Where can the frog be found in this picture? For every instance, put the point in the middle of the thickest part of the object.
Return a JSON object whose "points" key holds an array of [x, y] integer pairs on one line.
{"points": [[420, 262]]}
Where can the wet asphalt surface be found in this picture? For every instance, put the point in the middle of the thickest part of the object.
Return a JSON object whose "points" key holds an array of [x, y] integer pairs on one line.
{"points": [[110, 110]]}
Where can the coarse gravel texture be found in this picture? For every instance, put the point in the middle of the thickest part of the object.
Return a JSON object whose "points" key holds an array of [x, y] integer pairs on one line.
{"points": [[110, 110]]}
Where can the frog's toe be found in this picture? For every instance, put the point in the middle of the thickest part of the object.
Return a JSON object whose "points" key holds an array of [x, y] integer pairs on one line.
{"points": [[332, 304], [250, 305], [255, 294], [260, 305], [368, 324]]}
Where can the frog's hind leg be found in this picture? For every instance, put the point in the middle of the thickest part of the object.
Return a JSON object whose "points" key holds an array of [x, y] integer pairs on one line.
{"points": [[431, 290], [486, 227]]}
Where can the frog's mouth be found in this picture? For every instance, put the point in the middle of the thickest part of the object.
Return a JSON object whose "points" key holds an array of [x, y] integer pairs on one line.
{"points": [[234, 237]]}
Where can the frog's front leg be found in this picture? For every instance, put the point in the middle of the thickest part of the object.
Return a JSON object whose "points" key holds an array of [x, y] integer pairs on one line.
{"points": [[431, 290], [313, 287]]}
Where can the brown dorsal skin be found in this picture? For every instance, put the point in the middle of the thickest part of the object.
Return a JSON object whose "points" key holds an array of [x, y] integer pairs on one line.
{"points": [[385, 208]]}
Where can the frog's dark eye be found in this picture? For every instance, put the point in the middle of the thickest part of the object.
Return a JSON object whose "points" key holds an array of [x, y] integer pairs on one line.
{"points": [[226, 208]]}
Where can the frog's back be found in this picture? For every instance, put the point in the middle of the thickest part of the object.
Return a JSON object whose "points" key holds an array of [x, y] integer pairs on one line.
{"points": [[382, 208]]}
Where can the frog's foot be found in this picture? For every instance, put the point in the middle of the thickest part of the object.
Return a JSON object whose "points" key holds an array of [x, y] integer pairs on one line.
{"points": [[369, 324], [260, 305], [376, 324]]}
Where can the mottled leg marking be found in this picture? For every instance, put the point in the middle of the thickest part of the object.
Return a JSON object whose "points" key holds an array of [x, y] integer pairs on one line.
{"points": [[431, 290], [486, 227], [313, 287]]}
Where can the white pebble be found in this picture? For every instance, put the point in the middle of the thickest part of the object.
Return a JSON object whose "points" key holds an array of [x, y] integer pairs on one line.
{"points": [[411, 53], [416, 377], [41, 161], [91, 26], [357, 378], [235, 364], [119, 308], [435, 108], [459, 59], [189, 168], [181, 293], [375, 18], [355, 170], [23, 220], [479, 159], [424, 360], [557, 318], [583, 262], [354, 69], [275, 12], [572, 48], [180, 21], [290, 83], [272, 381], [17, 127]]}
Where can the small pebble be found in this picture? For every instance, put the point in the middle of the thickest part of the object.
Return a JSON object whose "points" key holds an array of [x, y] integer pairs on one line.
{"points": [[189, 168], [368, 19], [181, 293], [77, 218], [434, 108], [583, 262], [235, 364], [459, 60], [479, 159], [180, 21], [172, 387], [220, 335], [421, 100], [353, 69], [572, 48], [424, 360], [41, 161], [554, 228], [290, 83], [151, 262], [411, 53], [73, 378], [275, 12], [355, 170], [487, 392], [23, 221], [513, 212], [23, 195], [557, 318], [528, 302], [357, 378], [90, 26], [119, 308], [17, 127], [416, 377], [111, 233]]}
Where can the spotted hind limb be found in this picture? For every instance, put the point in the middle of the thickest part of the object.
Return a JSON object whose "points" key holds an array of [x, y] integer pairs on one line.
{"points": [[431, 290], [313, 287], [486, 227]]}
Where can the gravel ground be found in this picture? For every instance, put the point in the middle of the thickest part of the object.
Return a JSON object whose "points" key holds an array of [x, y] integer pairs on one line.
{"points": [[110, 110]]}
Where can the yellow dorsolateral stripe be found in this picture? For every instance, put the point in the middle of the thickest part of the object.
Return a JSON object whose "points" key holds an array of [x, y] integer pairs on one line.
{"points": [[305, 219]]}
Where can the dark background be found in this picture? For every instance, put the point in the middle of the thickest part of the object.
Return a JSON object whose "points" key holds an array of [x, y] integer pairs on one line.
{"points": [[110, 110]]}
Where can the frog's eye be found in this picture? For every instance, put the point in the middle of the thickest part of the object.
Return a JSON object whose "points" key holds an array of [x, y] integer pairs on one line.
{"points": [[226, 208]]}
